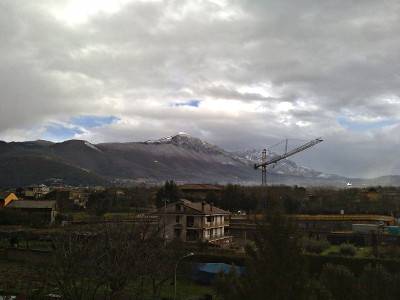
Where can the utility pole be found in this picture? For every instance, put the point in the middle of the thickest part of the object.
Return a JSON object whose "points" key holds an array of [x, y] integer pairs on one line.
{"points": [[164, 223], [176, 269]]}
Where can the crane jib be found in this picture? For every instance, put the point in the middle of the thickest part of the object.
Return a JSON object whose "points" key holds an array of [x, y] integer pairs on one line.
{"points": [[290, 153]]}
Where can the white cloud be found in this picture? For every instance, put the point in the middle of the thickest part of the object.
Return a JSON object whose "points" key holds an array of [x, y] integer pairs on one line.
{"points": [[77, 12], [260, 69]]}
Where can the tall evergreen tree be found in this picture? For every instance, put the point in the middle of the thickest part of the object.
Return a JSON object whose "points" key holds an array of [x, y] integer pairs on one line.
{"points": [[275, 268], [169, 192]]}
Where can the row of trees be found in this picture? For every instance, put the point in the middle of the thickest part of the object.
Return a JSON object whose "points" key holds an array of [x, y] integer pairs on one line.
{"points": [[116, 200], [256, 198], [309, 201]]}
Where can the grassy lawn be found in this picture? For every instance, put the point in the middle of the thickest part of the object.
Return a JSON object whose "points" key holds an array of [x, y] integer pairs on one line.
{"points": [[187, 290], [364, 252], [120, 216], [361, 252], [80, 216]]}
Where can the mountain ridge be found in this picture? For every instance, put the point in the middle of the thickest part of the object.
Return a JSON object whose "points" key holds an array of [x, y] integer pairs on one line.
{"points": [[180, 157]]}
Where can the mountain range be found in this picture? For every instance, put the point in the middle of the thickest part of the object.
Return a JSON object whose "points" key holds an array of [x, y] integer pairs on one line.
{"points": [[181, 157]]}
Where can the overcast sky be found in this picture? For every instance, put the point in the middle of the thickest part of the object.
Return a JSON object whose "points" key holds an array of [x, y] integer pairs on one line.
{"points": [[239, 74]]}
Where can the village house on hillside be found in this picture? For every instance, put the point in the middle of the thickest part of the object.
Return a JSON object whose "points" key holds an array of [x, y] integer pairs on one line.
{"points": [[6, 198], [69, 198], [194, 221], [36, 191]]}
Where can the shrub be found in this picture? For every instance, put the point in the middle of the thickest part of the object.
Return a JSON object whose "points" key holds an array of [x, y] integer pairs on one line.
{"points": [[339, 281], [347, 249], [314, 246], [317, 291], [376, 283], [390, 252]]}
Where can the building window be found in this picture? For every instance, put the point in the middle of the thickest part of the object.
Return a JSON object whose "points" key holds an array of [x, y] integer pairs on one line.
{"points": [[210, 219], [177, 233], [178, 207], [189, 221], [192, 235], [178, 219]]}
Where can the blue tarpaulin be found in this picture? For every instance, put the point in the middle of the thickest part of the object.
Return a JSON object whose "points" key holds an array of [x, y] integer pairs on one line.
{"points": [[207, 272]]}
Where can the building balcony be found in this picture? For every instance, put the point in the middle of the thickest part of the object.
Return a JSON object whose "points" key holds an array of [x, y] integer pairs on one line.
{"points": [[206, 225], [217, 238], [214, 225], [194, 228]]}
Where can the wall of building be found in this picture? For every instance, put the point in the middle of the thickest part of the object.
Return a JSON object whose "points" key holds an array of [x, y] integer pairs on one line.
{"points": [[206, 230]]}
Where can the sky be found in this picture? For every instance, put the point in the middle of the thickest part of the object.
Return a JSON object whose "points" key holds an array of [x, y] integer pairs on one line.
{"points": [[239, 74]]}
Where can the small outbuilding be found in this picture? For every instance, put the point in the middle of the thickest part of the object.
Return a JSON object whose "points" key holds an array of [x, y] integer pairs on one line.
{"points": [[6, 198], [46, 211]]}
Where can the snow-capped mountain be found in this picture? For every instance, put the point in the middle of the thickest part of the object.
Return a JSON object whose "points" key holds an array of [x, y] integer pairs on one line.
{"points": [[247, 157], [187, 141], [180, 157]]}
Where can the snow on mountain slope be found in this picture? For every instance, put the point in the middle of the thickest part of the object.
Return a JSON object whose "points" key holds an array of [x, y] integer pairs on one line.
{"points": [[247, 157], [187, 141], [284, 167], [179, 157]]}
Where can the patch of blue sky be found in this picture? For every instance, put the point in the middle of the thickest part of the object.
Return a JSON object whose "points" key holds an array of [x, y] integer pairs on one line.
{"points": [[88, 121], [191, 103], [59, 132], [76, 126], [364, 126]]}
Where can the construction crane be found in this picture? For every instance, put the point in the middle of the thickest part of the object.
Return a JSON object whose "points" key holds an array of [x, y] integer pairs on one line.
{"points": [[264, 162]]}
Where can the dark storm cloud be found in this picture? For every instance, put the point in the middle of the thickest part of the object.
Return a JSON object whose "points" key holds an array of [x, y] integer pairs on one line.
{"points": [[259, 69]]}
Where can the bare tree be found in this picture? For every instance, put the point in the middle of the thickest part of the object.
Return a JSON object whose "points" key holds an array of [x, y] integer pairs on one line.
{"points": [[103, 262], [160, 263], [123, 248], [73, 268]]}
